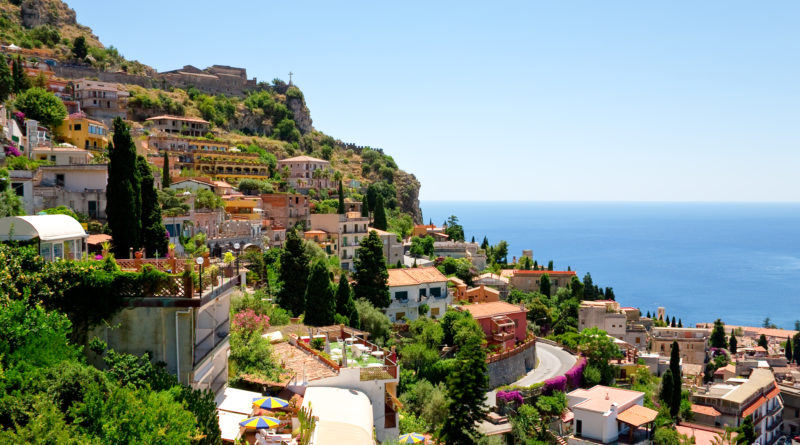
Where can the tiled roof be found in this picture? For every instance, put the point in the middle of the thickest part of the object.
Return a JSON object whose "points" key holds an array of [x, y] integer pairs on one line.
{"points": [[548, 272], [303, 159], [178, 118], [483, 310], [705, 410], [98, 238], [637, 415], [703, 435], [301, 363], [415, 276]]}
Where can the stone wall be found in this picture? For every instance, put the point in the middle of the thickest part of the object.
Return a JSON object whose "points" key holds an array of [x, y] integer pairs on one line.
{"points": [[80, 72], [510, 369]]}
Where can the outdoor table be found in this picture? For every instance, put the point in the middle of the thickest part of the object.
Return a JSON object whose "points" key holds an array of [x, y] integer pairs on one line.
{"points": [[374, 365], [377, 353], [350, 339]]}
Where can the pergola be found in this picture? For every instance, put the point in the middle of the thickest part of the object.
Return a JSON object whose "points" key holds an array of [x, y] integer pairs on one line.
{"points": [[635, 417]]}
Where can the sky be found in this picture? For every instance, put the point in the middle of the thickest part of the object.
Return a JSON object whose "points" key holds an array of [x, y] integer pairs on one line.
{"points": [[517, 100]]}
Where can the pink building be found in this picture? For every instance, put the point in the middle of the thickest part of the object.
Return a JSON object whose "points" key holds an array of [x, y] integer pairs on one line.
{"points": [[503, 323], [306, 173]]}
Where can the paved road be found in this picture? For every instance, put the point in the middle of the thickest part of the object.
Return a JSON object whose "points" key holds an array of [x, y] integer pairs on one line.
{"points": [[552, 361]]}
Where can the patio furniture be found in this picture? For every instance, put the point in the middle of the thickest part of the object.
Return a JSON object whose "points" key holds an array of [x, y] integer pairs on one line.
{"points": [[377, 354]]}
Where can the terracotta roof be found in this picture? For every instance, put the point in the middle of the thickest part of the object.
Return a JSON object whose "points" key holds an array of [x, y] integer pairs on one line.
{"points": [[753, 406], [98, 238], [703, 435], [178, 118], [483, 310], [705, 410], [222, 184], [774, 392], [637, 415], [415, 276], [548, 272], [599, 397], [301, 363]]}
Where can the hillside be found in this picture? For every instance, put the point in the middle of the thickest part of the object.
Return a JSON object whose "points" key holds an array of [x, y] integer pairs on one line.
{"points": [[271, 119]]}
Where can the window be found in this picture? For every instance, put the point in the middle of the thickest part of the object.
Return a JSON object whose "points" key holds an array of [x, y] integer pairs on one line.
{"points": [[435, 311], [422, 293], [401, 295], [77, 127], [578, 427], [44, 250], [399, 316], [19, 188], [436, 292], [58, 250]]}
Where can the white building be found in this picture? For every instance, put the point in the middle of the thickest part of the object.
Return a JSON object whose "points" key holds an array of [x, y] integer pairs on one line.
{"points": [[82, 188], [345, 416], [60, 236], [410, 288], [603, 414]]}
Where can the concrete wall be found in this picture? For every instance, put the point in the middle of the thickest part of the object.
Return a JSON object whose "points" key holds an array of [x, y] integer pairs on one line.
{"points": [[509, 370]]}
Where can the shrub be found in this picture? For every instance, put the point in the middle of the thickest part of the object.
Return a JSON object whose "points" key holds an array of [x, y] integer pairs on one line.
{"points": [[41, 105], [250, 321]]}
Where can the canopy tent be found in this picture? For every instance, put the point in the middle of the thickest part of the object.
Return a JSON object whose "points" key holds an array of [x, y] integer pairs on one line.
{"points": [[60, 236]]}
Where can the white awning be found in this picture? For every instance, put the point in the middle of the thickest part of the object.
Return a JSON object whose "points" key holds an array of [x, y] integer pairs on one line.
{"points": [[45, 227]]}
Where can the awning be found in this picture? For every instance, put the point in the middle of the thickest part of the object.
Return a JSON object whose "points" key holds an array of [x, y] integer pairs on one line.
{"points": [[705, 410], [637, 415], [754, 406]]}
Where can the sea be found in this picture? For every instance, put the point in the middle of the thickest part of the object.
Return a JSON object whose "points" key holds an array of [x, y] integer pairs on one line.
{"points": [[701, 261]]}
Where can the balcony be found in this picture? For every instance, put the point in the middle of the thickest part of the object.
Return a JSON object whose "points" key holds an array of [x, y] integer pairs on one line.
{"points": [[502, 336], [210, 340]]}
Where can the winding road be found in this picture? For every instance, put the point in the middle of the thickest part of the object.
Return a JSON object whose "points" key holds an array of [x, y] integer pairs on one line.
{"points": [[552, 361]]}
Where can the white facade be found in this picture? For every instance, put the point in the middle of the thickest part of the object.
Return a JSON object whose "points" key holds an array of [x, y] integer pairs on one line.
{"points": [[82, 188], [410, 288], [596, 411]]}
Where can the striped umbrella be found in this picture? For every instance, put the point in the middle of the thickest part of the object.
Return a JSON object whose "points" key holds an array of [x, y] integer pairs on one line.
{"points": [[260, 422], [411, 438], [270, 402]]}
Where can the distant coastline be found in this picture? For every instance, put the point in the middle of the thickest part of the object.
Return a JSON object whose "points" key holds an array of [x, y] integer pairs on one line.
{"points": [[699, 260]]}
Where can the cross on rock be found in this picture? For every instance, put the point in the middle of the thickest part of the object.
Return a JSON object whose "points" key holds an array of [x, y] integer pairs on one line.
{"points": [[290, 77]]}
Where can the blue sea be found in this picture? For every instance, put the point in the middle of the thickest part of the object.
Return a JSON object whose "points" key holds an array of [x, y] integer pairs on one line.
{"points": [[701, 261]]}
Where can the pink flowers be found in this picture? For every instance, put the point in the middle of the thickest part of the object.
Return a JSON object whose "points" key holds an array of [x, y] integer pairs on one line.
{"points": [[250, 321], [510, 397], [98, 257], [12, 150]]}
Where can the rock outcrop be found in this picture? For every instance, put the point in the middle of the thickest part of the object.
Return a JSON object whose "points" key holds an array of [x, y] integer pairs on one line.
{"points": [[407, 187], [46, 12], [302, 116]]}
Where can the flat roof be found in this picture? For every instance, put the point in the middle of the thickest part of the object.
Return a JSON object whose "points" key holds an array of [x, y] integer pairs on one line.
{"points": [[483, 310], [599, 398], [178, 118]]}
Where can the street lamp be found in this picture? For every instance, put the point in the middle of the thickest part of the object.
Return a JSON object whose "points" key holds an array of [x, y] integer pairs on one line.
{"points": [[199, 261], [236, 247]]}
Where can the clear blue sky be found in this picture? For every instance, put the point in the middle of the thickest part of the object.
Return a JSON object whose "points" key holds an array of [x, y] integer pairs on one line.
{"points": [[556, 100]]}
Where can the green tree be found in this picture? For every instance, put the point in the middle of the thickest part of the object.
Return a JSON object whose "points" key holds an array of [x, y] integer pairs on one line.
{"points": [[588, 287], [796, 347], [79, 49], [485, 243], [345, 304], [379, 215], [371, 275], [294, 271], [6, 79], [788, 349], [21, 80], [675, 367], [154, 239], [747, 432], [374, 321], [466, 386], [320, 304], [576, 289], [544, 284], [454, 231], [762, 341], [124, 205], [500, 252], [550, 265], [42, 105], [422, 246], [717, 339], [166, 180], [340, 208], [732, 344], [667, 387], [364, 207], [10, 204], [599, 350], [206, 199]]}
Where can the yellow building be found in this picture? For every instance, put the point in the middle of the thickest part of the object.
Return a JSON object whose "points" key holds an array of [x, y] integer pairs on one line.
{"points": [[243, 207], [82, 132]]}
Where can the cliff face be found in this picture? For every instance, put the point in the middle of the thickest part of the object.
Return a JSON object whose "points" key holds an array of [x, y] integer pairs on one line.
{"points": [[302, 116], [408, 194], [46, 12]]}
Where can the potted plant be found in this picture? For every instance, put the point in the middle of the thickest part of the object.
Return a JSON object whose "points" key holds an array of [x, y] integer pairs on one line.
{"points": [[228, 259]]}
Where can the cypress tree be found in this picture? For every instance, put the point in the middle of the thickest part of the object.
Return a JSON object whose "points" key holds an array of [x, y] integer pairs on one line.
{"points": [[124, 205], [473, 239], [379, 219], [610, 293], [747, 432], [675, 367], [588, 287], [762, 341], [345, 305], [796, 347], [648, 314], [788, 350], [680, 323], [544, 284], [717, 339], [364, 207], [166, 180], [21, 80], [550, 265], [319, 296], [372, 278], [732, 344], [293, 274], [340, 209], [673, 322], [667, 383], [485, 243], [153, 230], [466, 386], [6, 80]]}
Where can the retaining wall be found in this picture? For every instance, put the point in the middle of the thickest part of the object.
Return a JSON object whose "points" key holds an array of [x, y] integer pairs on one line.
{"points": [[510, 369]]}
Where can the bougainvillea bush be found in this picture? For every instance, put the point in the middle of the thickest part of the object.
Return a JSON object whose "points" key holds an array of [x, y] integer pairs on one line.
{"points": [[250, 321], [575, 374], [555, 384]]}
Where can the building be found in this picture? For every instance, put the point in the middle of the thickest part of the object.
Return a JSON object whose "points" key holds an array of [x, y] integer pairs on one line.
{"points": [[424, 230], [307, 173], [243, 207], [327, 241], [64, 154], [494, 281], [529, 280], [480, 294], [692, 342], [603, 414], [187, 126], [411, 288], [101, 100], [172, 142], [189, 333], [503, 323], [286, 209], [81, 131], [790, 393], [344, 416], [619, 322], [81, 187], [758, 396], [22, 184], [392, 248], [350, 228], [59, 236], [460, 249], [377, 380]]}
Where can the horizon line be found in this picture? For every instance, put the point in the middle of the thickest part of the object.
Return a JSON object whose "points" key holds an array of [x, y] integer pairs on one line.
{"points": [[605, 201]]}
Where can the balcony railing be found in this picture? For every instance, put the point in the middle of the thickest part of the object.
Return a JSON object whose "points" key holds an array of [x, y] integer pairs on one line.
{"points": [[211, 339], [502, 336]]}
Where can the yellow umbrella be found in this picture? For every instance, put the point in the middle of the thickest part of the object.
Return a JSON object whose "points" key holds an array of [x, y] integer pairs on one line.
{"points": [[411, 438], [260, 422], [270, 402]]}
